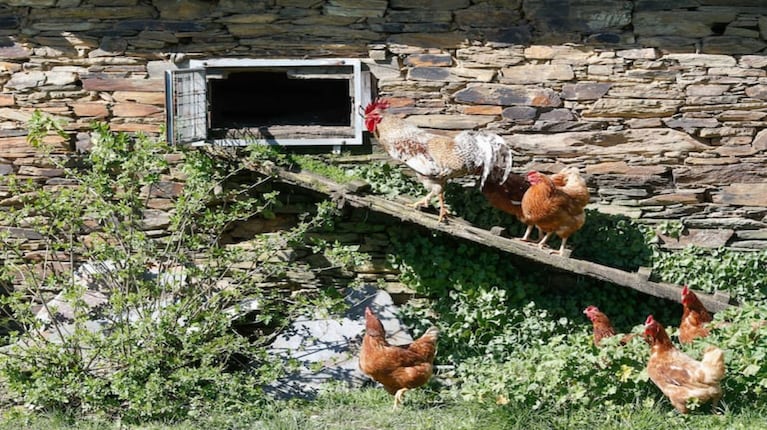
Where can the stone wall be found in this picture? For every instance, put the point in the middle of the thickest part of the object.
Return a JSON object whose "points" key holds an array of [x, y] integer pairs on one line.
{"points": [[663, 104]]}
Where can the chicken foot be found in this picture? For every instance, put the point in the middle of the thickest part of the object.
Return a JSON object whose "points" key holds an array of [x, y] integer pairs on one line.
{"points": [[562, 250], [421, 203], [424, 202], [526, 237], [398, 397], [542, 242]]}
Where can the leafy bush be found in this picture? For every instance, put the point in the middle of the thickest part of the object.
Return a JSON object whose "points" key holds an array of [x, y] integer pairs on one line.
{"points": [[744, 339], [475, 305], [167, 344], [739, 273], [480, 296], [563, 371], [387, 179]]}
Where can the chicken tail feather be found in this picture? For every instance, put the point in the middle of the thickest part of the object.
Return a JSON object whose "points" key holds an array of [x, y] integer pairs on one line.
{"points": [[431, 334], [713, 362], [492, 152]]}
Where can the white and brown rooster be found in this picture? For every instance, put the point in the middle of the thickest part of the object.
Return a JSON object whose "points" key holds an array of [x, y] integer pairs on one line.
{"points": [[436, 158]]}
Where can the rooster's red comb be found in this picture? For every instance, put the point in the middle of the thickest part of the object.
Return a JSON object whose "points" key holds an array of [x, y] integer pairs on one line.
{"points": [[685, 291], [376, 104], [650, 320], [590, 309]]}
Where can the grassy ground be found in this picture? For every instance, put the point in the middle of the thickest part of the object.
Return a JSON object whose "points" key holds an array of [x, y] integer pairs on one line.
{"points": [[371, 409]]}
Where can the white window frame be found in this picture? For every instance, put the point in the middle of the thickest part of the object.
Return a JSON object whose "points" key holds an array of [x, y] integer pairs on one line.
{"points": [[183, 122]]}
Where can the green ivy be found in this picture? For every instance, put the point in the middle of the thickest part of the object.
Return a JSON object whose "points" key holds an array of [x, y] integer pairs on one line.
{"points": [[387, 179], [740, 273], [479, 296]]}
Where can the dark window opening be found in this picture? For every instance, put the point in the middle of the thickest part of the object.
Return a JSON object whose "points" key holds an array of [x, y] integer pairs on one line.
{"points": [[266, 99], [239, 101]]}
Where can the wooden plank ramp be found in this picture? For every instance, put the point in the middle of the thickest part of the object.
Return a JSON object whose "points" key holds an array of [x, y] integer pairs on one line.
{"points": [[348, 194]]}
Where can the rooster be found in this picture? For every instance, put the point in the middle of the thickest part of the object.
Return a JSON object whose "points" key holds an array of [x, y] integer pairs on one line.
{"points": [[436, 158], [555, 209], [678, 375], [397, 368], [695, 317]]}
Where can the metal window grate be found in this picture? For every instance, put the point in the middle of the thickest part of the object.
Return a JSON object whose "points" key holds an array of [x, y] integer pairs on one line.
{"points": [[186, 106]]}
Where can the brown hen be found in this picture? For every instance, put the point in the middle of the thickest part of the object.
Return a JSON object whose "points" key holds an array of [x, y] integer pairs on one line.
{"points": [[552, 209], [397, 368], [678, 375], [602, 326], [695, 317], [506, 195]]}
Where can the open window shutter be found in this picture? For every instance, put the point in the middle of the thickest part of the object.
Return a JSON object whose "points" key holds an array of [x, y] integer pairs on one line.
{"points": [[186, 106]]}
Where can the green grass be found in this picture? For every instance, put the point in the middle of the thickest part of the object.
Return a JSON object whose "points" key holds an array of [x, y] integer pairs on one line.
{"points": [[424, 409]]}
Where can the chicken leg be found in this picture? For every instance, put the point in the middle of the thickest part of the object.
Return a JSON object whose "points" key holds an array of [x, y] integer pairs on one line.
{"points": [[421, 203], [526, 237], [398, 397], [424, 202], [543, 241], [561, 250], [442, 210]]}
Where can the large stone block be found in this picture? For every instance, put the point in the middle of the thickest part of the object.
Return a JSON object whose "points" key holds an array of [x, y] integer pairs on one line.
{"points": [[645, 91], [426, 16], [537, 73], [646, 142], [680, 22], [703, 238], [745, 172], [749, 194], [429, 60], [732, 45], [451, 40], [484, 15], [135, 110], [184, 10], [508, 95], [431, 74], [557, 52], [562, 16], [429, 4], [585, 90], [90, 109], [92, 13], [357, 10], [757, 91], [485, 56], [702, 60], [633, 108], [99, 83], [451, 122], [14, 52], [25, 80]]}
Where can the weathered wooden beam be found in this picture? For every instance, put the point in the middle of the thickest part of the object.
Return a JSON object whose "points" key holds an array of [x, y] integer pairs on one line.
{"points": [[458, 227]]}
